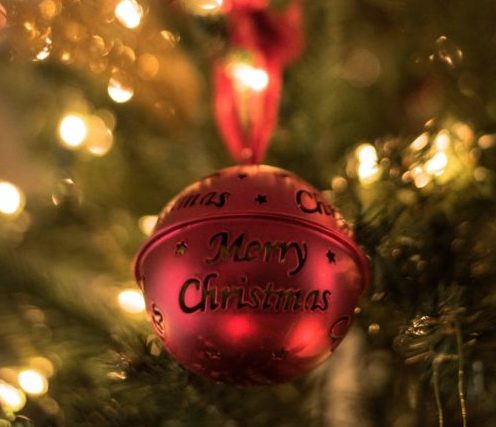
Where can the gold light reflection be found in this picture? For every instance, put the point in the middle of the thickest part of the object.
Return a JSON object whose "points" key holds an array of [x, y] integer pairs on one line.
{"points": [[132, 301], [129, 13], [72, 130], [32, 382], [12, 199]]}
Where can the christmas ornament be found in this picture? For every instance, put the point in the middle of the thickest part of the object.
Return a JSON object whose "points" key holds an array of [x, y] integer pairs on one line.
{"points": [[251, 276]]}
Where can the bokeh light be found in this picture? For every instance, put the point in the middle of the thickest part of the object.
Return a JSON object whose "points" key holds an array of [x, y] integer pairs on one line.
{"points": [[203, 7], [368, 168], [11, 398], [132, 301], [129, 13], [11, 199], [437, 164], [147, 223], [120, 88], [32, 382], [73, 130]]}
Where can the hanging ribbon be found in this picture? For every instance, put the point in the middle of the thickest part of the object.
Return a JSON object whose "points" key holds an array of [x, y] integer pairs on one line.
{"points": [[247, 83]]}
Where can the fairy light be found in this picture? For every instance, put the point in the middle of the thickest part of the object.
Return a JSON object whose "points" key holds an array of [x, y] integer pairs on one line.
{"points": [[442, 141], [366, 153], [11, 198], [129, 13], [11, 398], [249, 77], [72, 130], [420, 177], [420, 142], [368, 168], [32, 382], [147, 223], [437, 164], [131, 301], [119, 90]]}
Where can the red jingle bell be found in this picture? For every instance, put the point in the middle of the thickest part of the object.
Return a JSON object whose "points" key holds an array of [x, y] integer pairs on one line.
{"points": [[250, 276]]}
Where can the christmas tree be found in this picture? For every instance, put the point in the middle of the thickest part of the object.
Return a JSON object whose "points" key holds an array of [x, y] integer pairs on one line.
{"points": [[106, 113]]}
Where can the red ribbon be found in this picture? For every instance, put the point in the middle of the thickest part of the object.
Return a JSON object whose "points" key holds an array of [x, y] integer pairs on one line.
{"points": [[268, 40]]}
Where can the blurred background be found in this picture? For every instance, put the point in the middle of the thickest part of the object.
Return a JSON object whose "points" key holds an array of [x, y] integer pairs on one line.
{"points": [[106, 113]]}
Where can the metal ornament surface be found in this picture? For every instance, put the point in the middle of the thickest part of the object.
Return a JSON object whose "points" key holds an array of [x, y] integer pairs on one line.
{"points": [[250, 276]]}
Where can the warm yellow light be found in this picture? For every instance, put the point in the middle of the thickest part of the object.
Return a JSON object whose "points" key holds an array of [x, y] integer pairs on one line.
{"points": [[249, 77], [442, 141], [203, 7], [118, 89], [147, 223], [32, 382], [11, 199], [11, 398], [420, 177], [132, 301], [437, 164], [368, 172], [100, 138], [73, 130], [420, 142], [45, 52], [129, 13], [367, 154]]}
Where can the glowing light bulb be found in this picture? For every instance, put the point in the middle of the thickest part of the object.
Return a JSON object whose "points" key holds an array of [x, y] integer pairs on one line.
{"points": [[129, 13], [249, 77], [119, 88], [11, 199], [147, 224], [32, 382], [420, 142], [366, 153], [437, 164], [11, 397], [72, 131], [131, 301]]}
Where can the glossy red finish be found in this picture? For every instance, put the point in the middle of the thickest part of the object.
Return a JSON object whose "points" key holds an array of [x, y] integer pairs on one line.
{"points": [[250, 277]]}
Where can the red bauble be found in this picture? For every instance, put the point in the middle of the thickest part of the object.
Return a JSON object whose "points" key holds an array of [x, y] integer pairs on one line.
{"points": [[250, 276]]}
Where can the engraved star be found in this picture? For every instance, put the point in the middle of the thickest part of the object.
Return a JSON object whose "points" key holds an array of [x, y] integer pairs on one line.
{"points": [[181, 248], [242, 175], [261, 199], [331, 257]]}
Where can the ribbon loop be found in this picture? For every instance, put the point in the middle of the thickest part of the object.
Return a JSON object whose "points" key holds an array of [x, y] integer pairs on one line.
{"points": [[247, 83]]}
